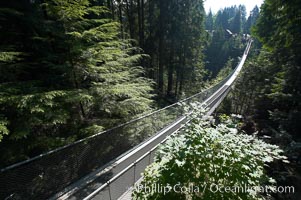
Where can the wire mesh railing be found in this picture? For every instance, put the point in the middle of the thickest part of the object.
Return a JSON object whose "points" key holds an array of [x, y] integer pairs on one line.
{"points": [[47, 174], [121, 183]]}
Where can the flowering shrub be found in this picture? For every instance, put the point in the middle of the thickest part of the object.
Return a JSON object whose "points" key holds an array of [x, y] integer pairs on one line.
{"points": [[206, 162]]}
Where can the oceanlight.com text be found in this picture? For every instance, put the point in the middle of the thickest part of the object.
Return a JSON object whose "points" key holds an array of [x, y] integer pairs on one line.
{"points": [[214, 188]]}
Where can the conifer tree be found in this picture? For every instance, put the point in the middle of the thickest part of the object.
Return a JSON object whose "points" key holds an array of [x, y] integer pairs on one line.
{"points": [[278, 29], [66, 75], [209, 21], [251, 20]]}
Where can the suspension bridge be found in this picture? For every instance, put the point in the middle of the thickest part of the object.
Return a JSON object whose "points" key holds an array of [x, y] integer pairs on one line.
{"points": [[106, 165]]}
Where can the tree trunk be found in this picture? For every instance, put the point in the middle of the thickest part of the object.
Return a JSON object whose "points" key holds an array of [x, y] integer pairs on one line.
{"points": [[161, 46], [182, 70], [120, 18], [150, 17], [177, 83], [110, 5], [142, 24], [149, 46], [139, 22], [130, 17], [82, 113], [170, 72]]}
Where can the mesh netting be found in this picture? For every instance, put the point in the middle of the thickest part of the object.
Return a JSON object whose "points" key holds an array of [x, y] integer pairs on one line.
{"points": [[121, 183], [45, 175]]}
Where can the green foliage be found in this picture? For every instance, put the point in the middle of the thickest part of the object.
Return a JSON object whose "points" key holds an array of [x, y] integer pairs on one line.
{"points": [[65, 74], [249, 95], [225, 71], [226, 40], [251, 20], [91, 130], [232, 18], [202, 156], [171, 32], [278, 28], [3, 128], [9, 56], [209, 23]]}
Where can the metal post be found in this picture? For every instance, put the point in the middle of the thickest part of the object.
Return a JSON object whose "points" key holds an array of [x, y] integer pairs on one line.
{"points": [[109, 190], [134, 173], [150, 156]]}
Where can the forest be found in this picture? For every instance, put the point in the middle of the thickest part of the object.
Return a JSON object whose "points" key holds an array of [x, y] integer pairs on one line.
{"points": [[71, 69]]}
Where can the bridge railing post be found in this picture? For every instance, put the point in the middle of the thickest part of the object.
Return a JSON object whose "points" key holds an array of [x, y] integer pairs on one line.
{"points": [[134, 173], [150, 157], [109, 187]]}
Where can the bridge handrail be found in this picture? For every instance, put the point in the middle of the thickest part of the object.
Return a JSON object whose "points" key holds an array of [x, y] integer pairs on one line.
{"points": [[125, 188], [115, 127], [43, 175]]}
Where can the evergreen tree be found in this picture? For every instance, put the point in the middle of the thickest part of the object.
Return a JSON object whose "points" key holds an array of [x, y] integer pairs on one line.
{"points": [[209, 21], [236, 23], [66, 75], [270, 92], [226, 40], [279, 31], [164, 29], [251, 20]]}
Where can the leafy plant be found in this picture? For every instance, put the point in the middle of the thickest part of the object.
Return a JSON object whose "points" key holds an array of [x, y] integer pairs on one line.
{"points": [[206, 157]]}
